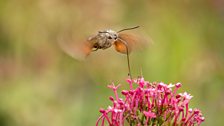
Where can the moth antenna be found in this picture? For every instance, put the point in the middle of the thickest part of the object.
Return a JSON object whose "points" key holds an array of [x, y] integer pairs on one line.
{"points": [[103, 32], [129, 68], [128, 29]]}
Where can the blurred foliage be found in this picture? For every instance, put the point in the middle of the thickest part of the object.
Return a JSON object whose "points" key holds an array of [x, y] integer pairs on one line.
{"points": [[42, 86]]}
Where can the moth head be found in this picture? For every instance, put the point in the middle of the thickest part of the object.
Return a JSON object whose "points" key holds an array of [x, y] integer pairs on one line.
{"points": [[109, 34]]}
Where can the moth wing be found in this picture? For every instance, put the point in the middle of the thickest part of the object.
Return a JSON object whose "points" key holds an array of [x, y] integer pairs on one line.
{"points": [[78, 51], [130, 40]]}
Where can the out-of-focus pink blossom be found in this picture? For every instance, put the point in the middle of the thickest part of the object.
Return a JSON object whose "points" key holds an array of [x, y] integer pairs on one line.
{"points": [[150, 104]]}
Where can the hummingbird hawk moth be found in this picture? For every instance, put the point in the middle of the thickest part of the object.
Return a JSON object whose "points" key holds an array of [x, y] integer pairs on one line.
{"points": [[123, 43]]}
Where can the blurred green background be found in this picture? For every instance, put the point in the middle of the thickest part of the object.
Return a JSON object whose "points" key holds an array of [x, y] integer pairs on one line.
{"points": [[42, 86]]}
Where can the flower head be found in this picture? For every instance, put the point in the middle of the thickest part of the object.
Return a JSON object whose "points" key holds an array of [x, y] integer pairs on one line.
{"points": [[150, 104]]}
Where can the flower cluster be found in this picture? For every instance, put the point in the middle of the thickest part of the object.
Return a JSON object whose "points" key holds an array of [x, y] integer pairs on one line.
{"points": [[150, 104]]}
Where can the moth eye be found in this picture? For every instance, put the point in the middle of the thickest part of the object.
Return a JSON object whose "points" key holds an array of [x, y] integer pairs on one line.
{"points": [[109, 37]]}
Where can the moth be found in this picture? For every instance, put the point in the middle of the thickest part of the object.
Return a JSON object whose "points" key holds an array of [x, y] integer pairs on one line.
{"points": [[123, 43]]}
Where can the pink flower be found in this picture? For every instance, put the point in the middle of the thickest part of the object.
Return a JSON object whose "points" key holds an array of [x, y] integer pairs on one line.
{"points": [[149, 114], [150, 104]]}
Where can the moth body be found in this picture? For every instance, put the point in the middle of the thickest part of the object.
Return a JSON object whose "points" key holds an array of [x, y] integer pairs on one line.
{"points": [[103, 40]]}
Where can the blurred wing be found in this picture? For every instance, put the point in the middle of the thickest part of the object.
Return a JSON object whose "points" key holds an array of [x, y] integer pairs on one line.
{"points": [[77, 51], [132, 41]]}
